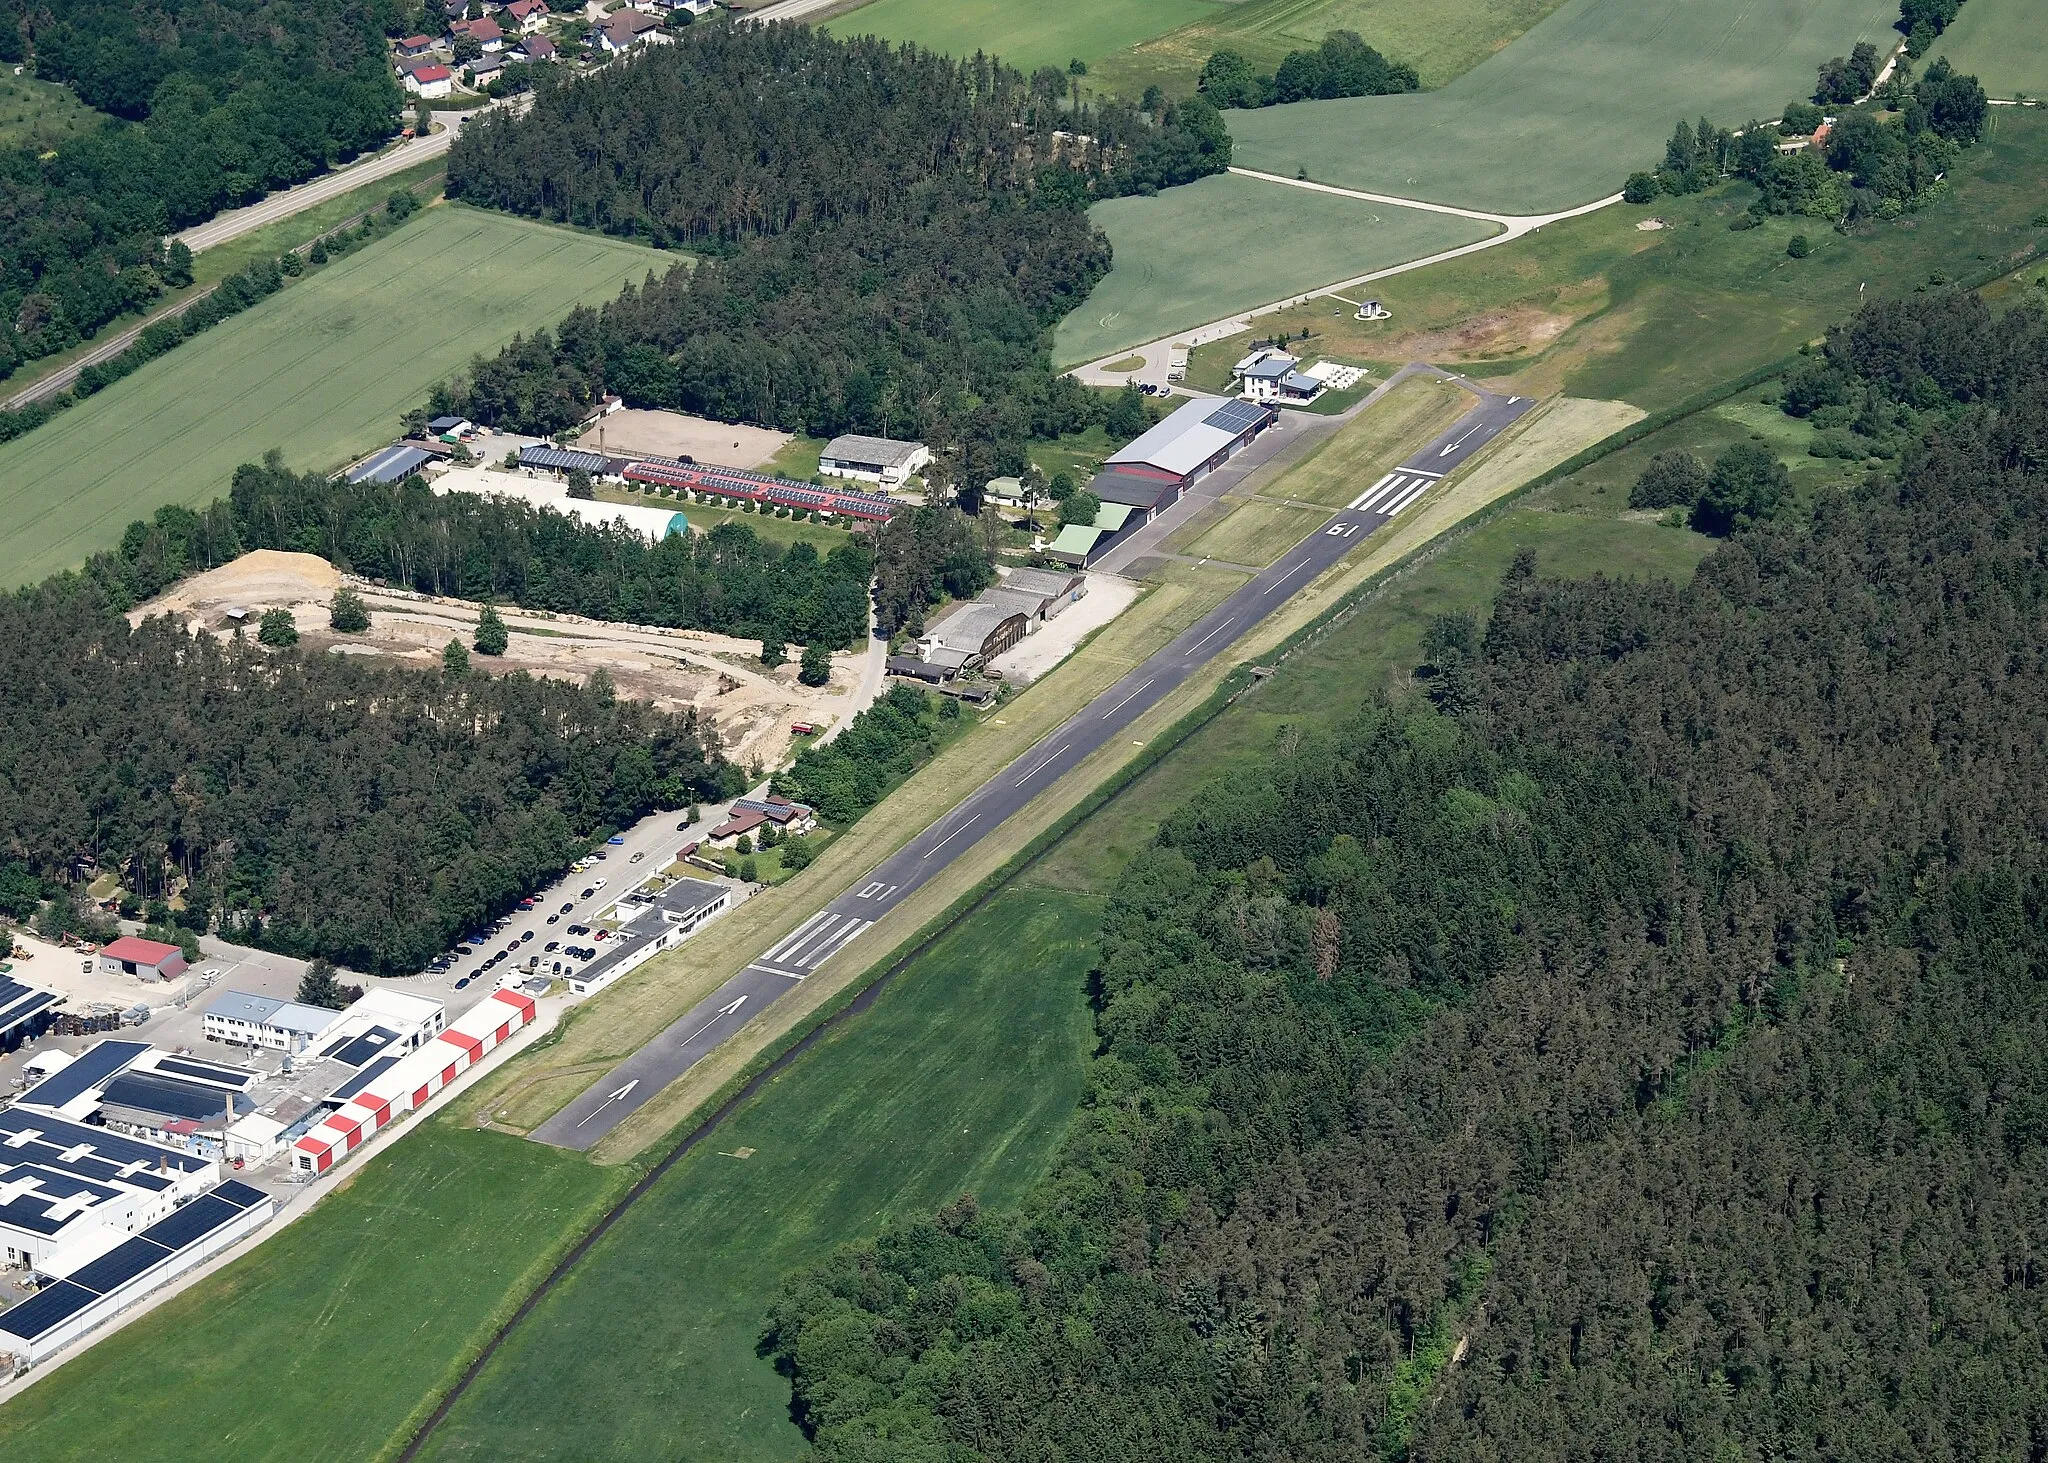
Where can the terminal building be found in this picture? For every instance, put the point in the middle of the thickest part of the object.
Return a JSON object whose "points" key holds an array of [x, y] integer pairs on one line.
{"points": [[651, 925]]}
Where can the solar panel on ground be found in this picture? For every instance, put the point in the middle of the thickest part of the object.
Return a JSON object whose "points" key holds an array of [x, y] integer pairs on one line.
{"points": [[46, 1310], [92, 1069], [237, 1193], [362, 1079], [200, 1217], [119, 1265], [225, 1076]]}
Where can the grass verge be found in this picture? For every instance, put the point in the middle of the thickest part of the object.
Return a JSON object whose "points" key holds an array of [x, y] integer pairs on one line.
{"points": [[318, 1343], [961, 1076]]}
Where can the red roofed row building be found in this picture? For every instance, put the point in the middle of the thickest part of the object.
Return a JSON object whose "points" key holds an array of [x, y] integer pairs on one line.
{"points": [[413, 1080]]}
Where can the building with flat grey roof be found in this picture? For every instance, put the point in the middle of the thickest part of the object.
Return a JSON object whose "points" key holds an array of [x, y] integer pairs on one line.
{"points": [[246, 1020], [873, 459]]}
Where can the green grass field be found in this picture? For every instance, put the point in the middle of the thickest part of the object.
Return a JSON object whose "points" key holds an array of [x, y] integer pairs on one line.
{"points": [[2003, 42], [961, 1077], [1197, 253], [1563, 115], [319, 1342], [40, 111], [1596, 307], [1440, 41], [1027, 36], [322, 371]]}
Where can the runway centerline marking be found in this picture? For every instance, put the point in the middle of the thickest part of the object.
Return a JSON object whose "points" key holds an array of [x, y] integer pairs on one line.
{"points": [[951, 836], [1213, 633]]}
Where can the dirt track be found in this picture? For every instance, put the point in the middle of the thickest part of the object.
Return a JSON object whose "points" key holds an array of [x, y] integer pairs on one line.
{"points": [[722, 677]]}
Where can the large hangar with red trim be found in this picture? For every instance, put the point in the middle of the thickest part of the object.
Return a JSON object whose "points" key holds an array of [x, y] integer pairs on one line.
{"points": [[412, 1080]]}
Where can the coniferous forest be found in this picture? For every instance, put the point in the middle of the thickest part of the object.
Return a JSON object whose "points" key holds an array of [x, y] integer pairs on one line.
{"points": [[316, 804], [884, 238], [1636, 1049]]}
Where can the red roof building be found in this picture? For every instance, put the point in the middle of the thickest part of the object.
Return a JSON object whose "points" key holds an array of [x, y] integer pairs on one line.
{"points": [[150, 959]]}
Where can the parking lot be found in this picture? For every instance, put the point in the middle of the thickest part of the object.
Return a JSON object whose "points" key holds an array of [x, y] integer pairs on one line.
{"points": [[176, 1006]]}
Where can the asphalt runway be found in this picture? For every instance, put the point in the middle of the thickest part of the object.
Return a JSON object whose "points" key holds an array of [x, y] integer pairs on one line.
{"points": [[785, 964]]}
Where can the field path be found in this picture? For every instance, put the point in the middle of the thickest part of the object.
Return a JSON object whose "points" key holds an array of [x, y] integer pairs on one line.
{"points": [[1153, 371]]}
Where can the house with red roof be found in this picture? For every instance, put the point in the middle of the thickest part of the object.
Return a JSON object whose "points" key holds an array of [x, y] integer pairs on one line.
{"points": [[414, 45], [430, 81], [528, 15], [484, 32]]}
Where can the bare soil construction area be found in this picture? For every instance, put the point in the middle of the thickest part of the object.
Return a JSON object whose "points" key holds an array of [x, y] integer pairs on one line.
{"points": [[722, 677], [672, 434]]}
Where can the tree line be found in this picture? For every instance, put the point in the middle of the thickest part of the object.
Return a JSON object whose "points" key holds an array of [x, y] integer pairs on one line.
{"points": [[882, 238], [210, 106], [1342, 66], [880, 747], [1635, 1054]]}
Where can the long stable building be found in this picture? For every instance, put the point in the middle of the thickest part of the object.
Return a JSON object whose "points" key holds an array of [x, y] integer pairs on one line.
{"points": [[412, 1080], [759, 487]]}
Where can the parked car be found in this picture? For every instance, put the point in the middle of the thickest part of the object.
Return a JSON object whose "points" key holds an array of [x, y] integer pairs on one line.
{"points": [[464, 950], [569, 906], [637, 857], [525, 937], [587, 892], [597, 884], [462, 982], [551, 947], [616, 840], [579, 929], [554, 919]]}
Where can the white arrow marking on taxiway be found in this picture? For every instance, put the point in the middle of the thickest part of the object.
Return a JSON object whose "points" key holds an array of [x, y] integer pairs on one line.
{"points": [[612, 1099]]}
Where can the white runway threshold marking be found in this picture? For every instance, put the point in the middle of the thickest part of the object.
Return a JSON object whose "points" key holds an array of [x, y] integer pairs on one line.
{"points": [[796, 936], [1420, 487], [876, 890]]}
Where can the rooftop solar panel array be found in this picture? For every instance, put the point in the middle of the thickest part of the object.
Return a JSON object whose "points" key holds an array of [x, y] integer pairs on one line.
{"points": [[196, 1220], [206, 1071], [55, 1304], [34, 1137], [363, 1079], [147, 1092], [360, 1049], [1237, 416], [19, 1002], [92, 1069], [46, 1310], [120, 1265], [563, 458]]}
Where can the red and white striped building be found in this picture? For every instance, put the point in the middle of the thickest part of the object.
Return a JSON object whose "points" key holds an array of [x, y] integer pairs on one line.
{"points": [[409, 1084]]}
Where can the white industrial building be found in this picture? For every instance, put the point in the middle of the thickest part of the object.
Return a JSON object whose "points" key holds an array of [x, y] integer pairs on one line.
{"points": [[873, 459], [104, 1220], [267, 1021], [658, 924]]}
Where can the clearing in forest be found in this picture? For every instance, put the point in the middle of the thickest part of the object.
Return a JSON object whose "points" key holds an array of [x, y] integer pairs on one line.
{"points": [[1044, 33], [1197, 253], [321, 371], [1564, 114]]}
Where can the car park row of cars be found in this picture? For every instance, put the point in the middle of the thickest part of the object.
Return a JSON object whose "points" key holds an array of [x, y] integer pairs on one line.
{"points": [[474, 942]]}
